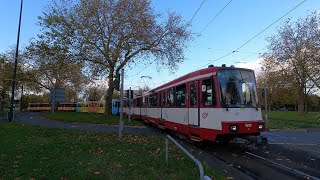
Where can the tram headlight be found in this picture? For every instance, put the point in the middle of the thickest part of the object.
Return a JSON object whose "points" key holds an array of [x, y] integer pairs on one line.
{"points": [[260, 126], [233, 128]]}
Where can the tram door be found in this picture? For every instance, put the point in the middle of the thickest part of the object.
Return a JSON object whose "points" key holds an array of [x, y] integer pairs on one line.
{"points": [[194, 103], [162, 100]]}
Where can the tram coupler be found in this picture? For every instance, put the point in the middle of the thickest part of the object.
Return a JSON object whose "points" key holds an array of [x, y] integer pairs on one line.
{"points": [[261, 141], [254, 142]]}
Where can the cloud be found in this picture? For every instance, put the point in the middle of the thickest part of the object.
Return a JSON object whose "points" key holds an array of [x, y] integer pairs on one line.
{"points": [[254, 65]]}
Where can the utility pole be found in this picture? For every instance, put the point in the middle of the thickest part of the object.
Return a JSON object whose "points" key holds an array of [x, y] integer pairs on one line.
{"points": [[10, 115], [129, 116], [265, 103], [121, 105]]}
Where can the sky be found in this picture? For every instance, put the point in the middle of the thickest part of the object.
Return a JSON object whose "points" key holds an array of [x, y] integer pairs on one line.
{"points": [[236, 24]]}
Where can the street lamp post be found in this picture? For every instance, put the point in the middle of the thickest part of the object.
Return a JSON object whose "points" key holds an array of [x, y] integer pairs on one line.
{"points": [[10, 116], [265, 103], [121, 105]]}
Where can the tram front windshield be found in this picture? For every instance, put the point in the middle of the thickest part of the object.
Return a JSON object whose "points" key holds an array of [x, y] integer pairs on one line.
{"points": [[237, 88]]}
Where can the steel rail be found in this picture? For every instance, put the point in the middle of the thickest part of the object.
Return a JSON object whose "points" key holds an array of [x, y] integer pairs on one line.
{"points": [[283, 166]]}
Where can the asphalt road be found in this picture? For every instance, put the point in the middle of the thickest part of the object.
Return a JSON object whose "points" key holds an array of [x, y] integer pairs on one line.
{"points": [[33, 118], [304, 140]]}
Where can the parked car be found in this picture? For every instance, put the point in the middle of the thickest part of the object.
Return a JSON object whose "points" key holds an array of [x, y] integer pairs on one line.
{"points": [[283, 109]]}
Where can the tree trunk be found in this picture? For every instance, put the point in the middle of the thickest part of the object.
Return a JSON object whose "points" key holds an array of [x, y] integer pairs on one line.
{"points": [[2, 100], [270, 102], [306, 102], [301, 99], [108, 109]]}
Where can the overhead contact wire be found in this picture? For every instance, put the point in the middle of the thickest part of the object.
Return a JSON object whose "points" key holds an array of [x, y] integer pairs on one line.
{"points": [[256, 34]]}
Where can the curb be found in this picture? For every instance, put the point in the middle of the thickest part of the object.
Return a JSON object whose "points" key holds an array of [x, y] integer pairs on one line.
{"points": [[295, 130]]}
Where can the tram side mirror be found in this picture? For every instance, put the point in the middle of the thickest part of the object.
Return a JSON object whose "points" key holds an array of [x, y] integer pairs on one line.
{"points": [[204, 88]]}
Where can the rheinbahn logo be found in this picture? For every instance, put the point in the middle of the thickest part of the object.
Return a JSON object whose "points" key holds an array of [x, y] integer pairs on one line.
{"points": [[204, 115]]}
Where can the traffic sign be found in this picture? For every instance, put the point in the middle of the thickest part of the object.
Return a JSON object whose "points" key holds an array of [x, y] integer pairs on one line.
{"points": [[57, 94]]}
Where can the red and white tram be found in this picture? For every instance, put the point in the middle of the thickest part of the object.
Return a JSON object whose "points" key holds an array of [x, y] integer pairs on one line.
{"points": [[214, 104]]}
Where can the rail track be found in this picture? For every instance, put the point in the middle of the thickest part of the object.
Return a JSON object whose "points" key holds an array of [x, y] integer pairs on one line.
{"points": [[286, 168], [252, 163], [257, 166]]}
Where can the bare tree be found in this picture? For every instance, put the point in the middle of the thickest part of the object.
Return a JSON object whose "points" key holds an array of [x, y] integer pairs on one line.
{"points": [[95, 90], [294, 54], [108, 35]]}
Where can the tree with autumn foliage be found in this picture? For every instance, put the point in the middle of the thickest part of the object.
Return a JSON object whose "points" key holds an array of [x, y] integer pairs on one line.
{"points": [[109, 35], [280, 91], [294, 54], [6, 71], [48, 64]]}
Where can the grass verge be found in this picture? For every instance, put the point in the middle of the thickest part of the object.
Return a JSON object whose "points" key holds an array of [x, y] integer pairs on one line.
{"points": [[28, 152], [292, 120], [93, 118]]}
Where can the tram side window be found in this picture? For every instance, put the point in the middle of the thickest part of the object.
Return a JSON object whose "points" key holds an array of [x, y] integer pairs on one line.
{"points": [[170, 97], [147, 102], [181, 95], [153, 100], [143, 101], [208, 94], [134, 103], [193, 95], [163, 99], [139, 102]]}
